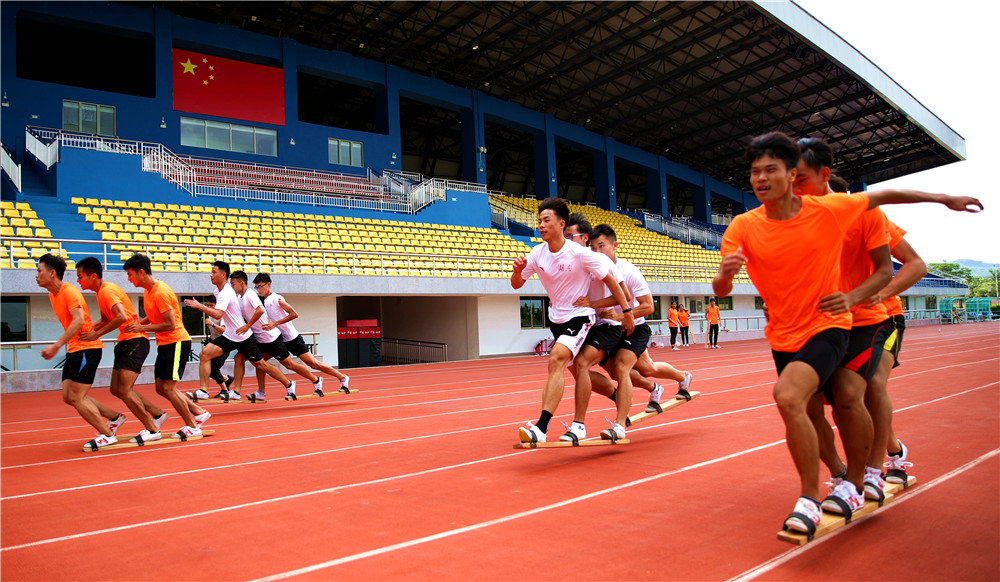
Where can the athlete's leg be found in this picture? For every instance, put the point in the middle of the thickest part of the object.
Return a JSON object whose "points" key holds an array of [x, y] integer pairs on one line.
{"points": [[601, 384], [824, 433], [880, 407], [273, 371], [90, 409], [588, 357], [559, 358], [623, 362], [796, 385], [854, 422], [299, 368], [208, 353], [650, 369], [122, 382], [239, 370], [311, 361], [168, 390]]}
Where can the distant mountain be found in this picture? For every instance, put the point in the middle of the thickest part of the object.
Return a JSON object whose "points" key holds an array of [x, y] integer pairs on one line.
{"points": [[978, 268]]}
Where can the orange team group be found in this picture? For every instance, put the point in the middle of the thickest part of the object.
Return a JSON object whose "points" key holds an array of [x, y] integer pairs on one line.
{"points": [[835, 335], [247, 320]]}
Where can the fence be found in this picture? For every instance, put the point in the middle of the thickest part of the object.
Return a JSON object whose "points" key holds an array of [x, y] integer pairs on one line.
{"points": [[11, 167], [400, 351]]}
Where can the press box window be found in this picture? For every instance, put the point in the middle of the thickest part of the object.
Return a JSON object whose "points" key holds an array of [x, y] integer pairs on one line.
{"points": [[88, 118], [346, 153], [229, 137]]}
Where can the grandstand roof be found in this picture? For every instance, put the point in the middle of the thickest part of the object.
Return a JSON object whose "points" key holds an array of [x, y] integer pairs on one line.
{"points": [[692, 81]]}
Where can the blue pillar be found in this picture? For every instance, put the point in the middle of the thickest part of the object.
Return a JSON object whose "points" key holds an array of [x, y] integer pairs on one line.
{"points": [[702, 200], [546, 181], [604, 178], [657, 185], [387, 117], [473, 143]]}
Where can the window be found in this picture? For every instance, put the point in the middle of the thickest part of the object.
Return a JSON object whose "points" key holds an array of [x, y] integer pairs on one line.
{"points": [[725, 303], [534, 312], [346, 153], [229, 137], [906, 302], [14, 319], [758, 302], [88, 118], [657, 314], [930, 302]]}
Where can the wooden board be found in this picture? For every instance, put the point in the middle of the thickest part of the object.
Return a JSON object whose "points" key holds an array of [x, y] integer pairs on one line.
{"points": [[167, 439], [570, 444], [831, 522], [672, 403], [248, 400]]}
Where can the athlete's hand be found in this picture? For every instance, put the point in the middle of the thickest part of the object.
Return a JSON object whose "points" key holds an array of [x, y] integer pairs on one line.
{"points": [[242, 330], [836, 303], [610, 314], [583, 301], [134, 327], [963, 203], [520, 263], [88, 336], [874, 300], [628, 322], [192, 303], [50, 352], [268, 326], [731, 264]]}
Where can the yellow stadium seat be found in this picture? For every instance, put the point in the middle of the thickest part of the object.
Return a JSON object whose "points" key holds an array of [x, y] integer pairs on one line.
{"points": [[43, 233]]}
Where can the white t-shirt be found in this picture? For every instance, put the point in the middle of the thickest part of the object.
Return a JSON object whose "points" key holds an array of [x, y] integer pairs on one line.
{"points": [[276, 313], [598, 290], [249, 303], [228, 303], [636, 284], [565, 275]]}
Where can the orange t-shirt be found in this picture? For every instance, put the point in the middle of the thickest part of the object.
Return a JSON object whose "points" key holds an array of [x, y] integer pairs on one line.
{"points": [[712, 314], [796, 262], [66, 300], [157, 300], [894, 305], [684, 317], [110, 295], [672, 319], [867, 233]]}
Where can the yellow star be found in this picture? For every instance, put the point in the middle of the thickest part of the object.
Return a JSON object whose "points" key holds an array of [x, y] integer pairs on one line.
{"points": [[189, 67], [211, 77], [205, 82], [211, 67], [204, 60]]}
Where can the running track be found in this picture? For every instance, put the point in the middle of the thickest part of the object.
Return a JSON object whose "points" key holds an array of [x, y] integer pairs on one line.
{"points": [[414, 478]]}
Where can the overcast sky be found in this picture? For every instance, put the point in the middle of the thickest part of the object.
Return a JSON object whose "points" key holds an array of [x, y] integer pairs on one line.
{"points": [[945, 55]]}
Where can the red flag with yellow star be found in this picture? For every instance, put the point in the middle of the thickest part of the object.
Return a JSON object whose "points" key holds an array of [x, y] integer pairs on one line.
{"points": [[221, 87]]}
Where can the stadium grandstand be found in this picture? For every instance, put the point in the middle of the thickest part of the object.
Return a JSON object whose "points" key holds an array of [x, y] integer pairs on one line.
{"points": [[384, 160]]}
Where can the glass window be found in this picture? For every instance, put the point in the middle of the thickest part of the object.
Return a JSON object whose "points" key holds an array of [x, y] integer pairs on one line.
{"points": [[346, 153], [357, 156], [71, 116], [88, 118], [243, 139], [217, 135], [267, 141], [657, 313], [331, 151], [533, 314], [106, 121], [14, 319], [192, 132], [725, 303], [758, 302]]}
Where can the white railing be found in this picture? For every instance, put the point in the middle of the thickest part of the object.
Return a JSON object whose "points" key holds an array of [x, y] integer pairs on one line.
{"points": [[11, 167], [400, 351], [47, 153]]}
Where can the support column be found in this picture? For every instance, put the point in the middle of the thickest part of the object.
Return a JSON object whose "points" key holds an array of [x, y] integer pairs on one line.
{"points": [[702, 200], [546, 181], [656, 197], [604, 179], [473, 143]]}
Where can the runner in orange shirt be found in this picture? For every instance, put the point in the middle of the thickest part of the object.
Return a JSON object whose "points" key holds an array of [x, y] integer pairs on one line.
{"points": [[173, 344], [673, 323], [684, 324], [808, 326], [131, 348], [712, 315], [82, 356]]}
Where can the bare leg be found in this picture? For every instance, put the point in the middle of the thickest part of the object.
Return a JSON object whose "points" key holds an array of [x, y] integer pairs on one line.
{"points": [[208, 353], [795, 386], [273, 371], [650, 369], [122, 382], [311, 361], [299, 368], [168, 390], [559, 358], [588, 356], [824, 432], [624, 361], [854, 422], [880, 407], [90, 409]]}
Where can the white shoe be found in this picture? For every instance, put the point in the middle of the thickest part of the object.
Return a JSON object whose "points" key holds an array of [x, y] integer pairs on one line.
{"points": [[676, 349], [897, 465], [805, 517], [200, 419], [257, 396], [145, 436], [199, 393], [113, 425], [346, 382], [615, 432], [654, 397], [874, 484], [159, 420], [317, 386], [682, 387], [844, 499], [186, 432], [99, 441], [530, 433], [234, 395], [574, 432]]}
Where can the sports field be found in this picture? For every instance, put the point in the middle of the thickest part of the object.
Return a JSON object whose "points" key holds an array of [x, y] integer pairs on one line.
{"points": [[415, 478]]}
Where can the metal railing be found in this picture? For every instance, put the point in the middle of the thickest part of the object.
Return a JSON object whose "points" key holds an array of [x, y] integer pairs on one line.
{"points": [[401, 351], [11, 167]]}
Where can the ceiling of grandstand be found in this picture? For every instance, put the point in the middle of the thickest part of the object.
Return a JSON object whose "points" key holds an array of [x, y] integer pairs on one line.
{"points": [[692, 81]]}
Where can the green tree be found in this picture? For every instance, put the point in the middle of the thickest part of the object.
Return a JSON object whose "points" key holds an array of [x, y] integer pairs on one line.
{"points": [[953, 269]]}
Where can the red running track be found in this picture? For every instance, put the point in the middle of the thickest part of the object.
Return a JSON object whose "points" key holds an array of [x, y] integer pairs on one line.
{"points": [[414, 478]]}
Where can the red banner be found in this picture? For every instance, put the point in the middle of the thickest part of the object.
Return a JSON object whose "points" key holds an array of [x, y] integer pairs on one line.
{"points": [[221, 87]]}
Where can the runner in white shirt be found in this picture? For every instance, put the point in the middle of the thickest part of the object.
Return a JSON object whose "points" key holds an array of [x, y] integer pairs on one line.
{"points": [[564, 270], [281, 315]]}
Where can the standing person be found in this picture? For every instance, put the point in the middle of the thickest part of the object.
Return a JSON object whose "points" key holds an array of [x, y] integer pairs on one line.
{"points": [[215, 329], [237, 336], [564, 270], [173, 344], [807, 327], [684, 324], [131, 348], [281, 315], [673, 323], [712, 315], [82, 357]]}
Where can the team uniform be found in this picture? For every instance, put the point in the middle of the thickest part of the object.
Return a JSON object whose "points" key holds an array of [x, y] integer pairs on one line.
{"points": [[291, 336], [606, 333], [673, 323], [228, 303], [684, 321], [131, 348], [776, 251], [173, 348], [637, 287], [894, 305], [712, 315], [269, 340], [82, 358], [565, 275]]}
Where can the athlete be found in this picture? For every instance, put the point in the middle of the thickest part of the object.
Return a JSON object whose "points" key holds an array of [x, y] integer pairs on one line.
{"points": [[712, 315], [82, 357], [808, 336], [673, 323], [281, 315], [173, 344], [564, 270], [215, 329], [131, 348], [684, 324]]}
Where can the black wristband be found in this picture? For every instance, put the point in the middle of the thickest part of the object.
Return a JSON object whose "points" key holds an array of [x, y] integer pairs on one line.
{"points": [[626, 310]]}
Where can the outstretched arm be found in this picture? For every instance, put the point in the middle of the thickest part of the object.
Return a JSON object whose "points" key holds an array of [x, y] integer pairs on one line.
{"points": [[957, 203]]}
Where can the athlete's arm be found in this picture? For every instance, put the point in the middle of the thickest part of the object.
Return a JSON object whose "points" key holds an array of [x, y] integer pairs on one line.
{"points": [[616, 291], [516, 280], [168, 323], [256, 315], [74, 327], [957, 203], [913, 270], [292, 314], [841, 302], [730, 266], [102, 327], [212, 312]]}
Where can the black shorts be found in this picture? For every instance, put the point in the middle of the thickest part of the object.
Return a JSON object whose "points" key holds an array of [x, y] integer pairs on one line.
{"points": [[81, 366], [572, 333], [604, 337], [170, 360], [865, 346], [275, 349], [248, 347], [637, 342], [823, 352], [131, 354], [895, 341], [297, 346]]}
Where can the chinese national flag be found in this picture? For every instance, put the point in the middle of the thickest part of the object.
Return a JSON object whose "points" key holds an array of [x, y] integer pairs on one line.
{"points": [[221, 87]]}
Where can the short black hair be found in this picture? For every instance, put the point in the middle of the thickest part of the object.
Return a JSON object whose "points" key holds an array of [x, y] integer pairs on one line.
{"points": [[138, 262], [53, 263], [816, 153], [838, 184], [579, 220], [774, 144], [90, 266], [262, 278], [557, 205], [604, 230], [238, 275], [223, 266]]}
